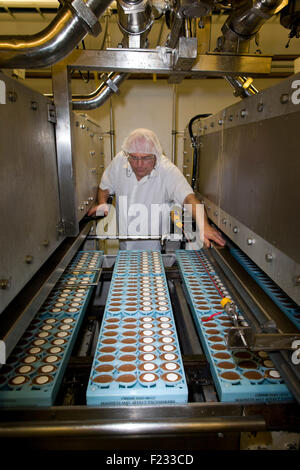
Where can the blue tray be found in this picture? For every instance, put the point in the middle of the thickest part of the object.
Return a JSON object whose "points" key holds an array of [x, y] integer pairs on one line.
{"points": [[239, 376], [138, 359], [34, 370]]}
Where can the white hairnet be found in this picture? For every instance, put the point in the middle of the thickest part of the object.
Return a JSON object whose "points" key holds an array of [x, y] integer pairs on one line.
{"points": [[142, 141]]}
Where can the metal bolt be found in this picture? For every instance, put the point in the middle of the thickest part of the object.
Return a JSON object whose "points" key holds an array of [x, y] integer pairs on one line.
{"points": [[235, 229], [212, 124], [82, 126], [92, 153], [28, 259], [46, 243], [243, 113], [260, 107], [4, 283], [269, 257], [220, 122], [34, 105], [250, 241], [12, 96], [91, 198], [297, 280], [230, 118], [224, 221], [284, 98]]}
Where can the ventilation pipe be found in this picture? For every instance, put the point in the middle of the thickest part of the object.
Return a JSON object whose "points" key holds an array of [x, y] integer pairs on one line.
{"points": [[135, 20], [71, 24], [244, 23], [98, 97]]}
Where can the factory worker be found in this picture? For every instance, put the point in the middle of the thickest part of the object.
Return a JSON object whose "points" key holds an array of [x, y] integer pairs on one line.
{"points": [[147, 185]]}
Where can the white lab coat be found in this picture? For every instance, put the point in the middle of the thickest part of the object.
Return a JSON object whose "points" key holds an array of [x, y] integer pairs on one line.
{"points": [[143, 207]]}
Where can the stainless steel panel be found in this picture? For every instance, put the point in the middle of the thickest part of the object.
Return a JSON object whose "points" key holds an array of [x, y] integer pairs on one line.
{"points": [[261, 166], [79, 155], [249, 175], [281, 268], [64, 146], [29, 189], [88, 161]]}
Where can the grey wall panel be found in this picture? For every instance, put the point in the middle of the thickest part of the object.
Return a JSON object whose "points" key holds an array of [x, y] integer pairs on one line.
{"points": [[260, 184], [29, 189], [249, 176]]}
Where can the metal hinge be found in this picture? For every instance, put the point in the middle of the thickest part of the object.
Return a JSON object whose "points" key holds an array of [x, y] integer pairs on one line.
{"points": [[51, 113]]}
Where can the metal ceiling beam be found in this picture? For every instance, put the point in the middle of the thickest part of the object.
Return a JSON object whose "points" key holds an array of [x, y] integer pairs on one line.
{"points": [[162, 61]]}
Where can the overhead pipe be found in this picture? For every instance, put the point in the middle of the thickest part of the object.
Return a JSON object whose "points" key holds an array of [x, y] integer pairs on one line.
{"points": [[241, 26], [71, 24], [244, 23], [135, 19], [79, 97], [105, 90]]}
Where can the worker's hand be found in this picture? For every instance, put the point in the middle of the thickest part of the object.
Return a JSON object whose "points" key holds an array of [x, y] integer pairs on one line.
{"points": [[211, 234], [100, 209]]}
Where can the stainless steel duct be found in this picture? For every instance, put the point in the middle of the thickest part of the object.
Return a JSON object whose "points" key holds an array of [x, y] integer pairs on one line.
{"points": [[244, 23], [103, 92], [135, 19], [71, 24]]}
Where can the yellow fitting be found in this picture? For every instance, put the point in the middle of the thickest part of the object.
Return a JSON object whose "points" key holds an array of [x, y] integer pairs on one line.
{"points": [[225, 301]]}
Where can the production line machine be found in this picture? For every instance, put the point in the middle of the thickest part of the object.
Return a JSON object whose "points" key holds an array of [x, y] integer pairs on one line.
{"points": [[179, 349]]}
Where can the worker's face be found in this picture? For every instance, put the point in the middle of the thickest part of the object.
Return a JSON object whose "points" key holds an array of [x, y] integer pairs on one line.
{"points": [[141, 163]]}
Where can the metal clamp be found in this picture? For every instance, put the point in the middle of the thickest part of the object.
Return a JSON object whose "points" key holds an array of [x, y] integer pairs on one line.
{"points": [[260, 341], [112, 86], [87, 16]]}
